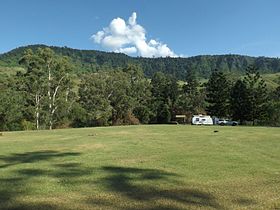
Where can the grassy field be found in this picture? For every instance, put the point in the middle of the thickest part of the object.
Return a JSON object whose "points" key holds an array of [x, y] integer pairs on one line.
{"points": [[141, 167]]}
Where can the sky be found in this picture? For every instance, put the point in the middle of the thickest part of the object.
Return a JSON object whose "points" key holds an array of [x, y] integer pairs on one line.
{"points": [[148, 28]]}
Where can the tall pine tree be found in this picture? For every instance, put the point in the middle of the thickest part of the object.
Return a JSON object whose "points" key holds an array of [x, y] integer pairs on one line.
{"points": [[257, 95], [217, 94], [239, 101]]}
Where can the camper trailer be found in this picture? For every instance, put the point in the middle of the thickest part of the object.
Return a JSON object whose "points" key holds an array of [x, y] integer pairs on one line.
{"points": [[202, 120]]}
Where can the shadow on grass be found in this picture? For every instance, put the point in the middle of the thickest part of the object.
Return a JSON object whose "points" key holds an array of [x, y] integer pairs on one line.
{"points": [[244, 201], [129, 188], [31, 157], [41, 206], [151, 189], [19, 183]]}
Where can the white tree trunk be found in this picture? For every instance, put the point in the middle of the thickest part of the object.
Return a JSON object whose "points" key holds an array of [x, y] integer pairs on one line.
{"points": [[37, 112], [49, 96], [52, 104]]}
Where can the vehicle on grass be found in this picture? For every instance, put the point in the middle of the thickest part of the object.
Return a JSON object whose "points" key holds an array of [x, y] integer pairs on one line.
{"points": [[227, 122], [202, 120]]}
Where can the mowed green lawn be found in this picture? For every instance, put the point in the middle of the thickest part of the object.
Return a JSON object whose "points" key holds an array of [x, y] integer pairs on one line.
{"points": [[141, 167]]}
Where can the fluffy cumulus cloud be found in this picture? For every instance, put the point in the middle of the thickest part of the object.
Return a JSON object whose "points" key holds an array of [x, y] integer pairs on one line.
{"points": [[130, 38]]}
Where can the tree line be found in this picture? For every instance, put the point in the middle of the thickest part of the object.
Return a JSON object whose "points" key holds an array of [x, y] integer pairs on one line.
{"points": [[49, 95]]}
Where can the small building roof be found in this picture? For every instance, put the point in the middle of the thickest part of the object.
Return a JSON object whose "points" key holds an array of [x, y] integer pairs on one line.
{"points": [[180, 116]]}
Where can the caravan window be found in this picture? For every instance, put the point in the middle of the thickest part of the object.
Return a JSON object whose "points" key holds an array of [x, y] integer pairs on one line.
{"points": [[203, 119], [196, 119]]}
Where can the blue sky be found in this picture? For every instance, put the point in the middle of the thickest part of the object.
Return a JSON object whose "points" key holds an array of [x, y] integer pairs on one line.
{"points": [[187, 27]]}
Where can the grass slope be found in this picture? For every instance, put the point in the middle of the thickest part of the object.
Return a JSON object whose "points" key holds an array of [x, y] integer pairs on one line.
{"points": [[141, 167], [272, 80]]}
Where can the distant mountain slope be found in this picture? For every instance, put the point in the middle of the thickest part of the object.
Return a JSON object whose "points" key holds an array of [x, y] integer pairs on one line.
{"points": [[92, 61]]}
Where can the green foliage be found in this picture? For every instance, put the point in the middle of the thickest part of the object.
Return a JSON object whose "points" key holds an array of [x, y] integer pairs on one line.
{"points": [[121, 97], [27, 125], [11, 106], [115, 97], [217, 94], [257, 95], [191, 104], [249, 98], [191, 85], [239, 101], [163, 113], [165, 93], [94, 61], [273, 108], [141, 91], [272, 113], [277, 93], [192, 98], [47, 85], [57, 91], [93, 93]]}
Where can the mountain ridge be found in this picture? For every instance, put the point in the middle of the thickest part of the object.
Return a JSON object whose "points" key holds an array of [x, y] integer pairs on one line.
{"points": [[95, 60]]}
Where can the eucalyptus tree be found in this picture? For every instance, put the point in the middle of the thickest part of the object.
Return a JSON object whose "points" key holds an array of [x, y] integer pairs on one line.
{"points": [[47, 83], [34, 84]]}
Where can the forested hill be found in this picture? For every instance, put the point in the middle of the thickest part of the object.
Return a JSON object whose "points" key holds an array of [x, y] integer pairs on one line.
{"points": [[92, 61]]}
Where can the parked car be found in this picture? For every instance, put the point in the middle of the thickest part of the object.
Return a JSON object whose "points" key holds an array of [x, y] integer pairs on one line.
{"points": [[227, 122]]}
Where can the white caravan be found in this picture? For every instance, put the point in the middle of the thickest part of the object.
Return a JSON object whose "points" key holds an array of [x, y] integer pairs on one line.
{"points": [[202, 120]]}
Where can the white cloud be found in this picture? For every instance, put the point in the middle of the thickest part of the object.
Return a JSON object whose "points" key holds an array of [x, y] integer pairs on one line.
{"points": [[132, 19], [128, 50], [130, 38]]}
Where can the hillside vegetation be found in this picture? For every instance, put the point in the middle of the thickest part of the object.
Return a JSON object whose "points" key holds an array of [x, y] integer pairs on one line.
{"points": [[272, 80], [92, 61]]}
